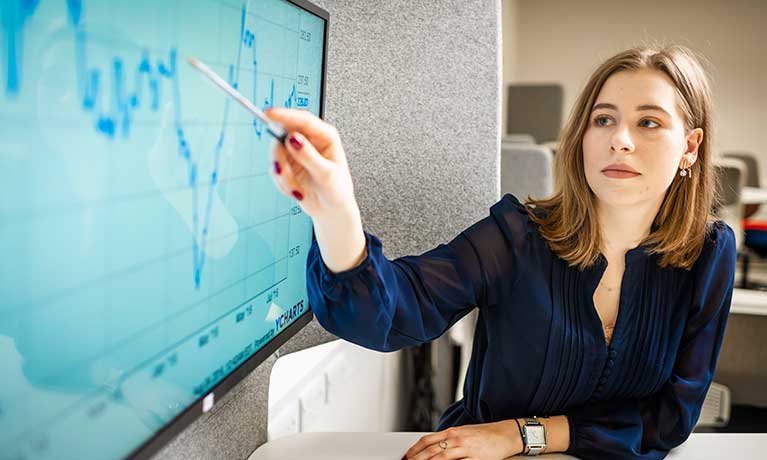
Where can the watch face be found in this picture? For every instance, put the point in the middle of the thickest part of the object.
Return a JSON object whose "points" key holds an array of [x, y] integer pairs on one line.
{"points": [[535, 435]]}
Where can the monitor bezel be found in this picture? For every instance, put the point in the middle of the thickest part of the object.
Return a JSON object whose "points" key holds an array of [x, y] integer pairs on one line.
{"points": [[169, 432]]}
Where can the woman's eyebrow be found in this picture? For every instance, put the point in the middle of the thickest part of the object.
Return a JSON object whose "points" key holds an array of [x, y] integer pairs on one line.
{"points": [[652, 107], [606, 105]]}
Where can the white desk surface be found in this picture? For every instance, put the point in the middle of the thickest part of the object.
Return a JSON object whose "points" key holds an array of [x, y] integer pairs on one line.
{"points": [[749, 302], [392, 446], [753, 195]]}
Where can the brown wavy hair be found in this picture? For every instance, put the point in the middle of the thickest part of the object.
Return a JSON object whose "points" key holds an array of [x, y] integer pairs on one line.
{"points": [[569, 221]]}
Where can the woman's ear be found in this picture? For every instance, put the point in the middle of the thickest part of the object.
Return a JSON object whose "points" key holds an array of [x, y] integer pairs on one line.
{"points": [[693, 139]]}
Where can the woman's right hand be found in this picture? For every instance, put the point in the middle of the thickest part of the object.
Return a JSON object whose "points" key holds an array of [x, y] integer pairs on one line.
{"points": [[311, 167]]}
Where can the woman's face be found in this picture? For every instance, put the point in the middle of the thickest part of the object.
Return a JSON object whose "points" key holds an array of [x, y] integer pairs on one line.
{"points": [[636, 124]]}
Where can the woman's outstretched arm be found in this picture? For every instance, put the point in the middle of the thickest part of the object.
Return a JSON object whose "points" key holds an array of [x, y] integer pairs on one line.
{"points": [[355, 291]]}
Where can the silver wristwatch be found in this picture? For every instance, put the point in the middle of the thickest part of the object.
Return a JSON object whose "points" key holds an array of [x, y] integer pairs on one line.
{"points": [[533, 436]]}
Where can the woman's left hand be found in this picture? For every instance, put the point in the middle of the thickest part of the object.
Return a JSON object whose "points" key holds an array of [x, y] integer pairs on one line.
{"points": [[487, 441]]}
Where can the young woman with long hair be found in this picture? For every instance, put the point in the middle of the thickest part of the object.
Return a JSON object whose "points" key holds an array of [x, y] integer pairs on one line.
{"points": [[601, 308]]}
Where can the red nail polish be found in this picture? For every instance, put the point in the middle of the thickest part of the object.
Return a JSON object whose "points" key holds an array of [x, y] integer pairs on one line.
{"points": [[297, 195], [277, 168], [404, 457], [295, 142]]}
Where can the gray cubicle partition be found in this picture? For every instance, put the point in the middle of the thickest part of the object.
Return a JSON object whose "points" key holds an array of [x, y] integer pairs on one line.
{"points": [[413, 87]]}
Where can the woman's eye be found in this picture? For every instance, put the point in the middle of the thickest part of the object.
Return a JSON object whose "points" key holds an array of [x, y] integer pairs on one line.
{"points": [[647, 123], [601, 120]]}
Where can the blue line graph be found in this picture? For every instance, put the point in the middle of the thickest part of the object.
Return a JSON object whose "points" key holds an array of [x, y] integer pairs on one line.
{"points": [[14, 16], [113, 152], [124, 102]]}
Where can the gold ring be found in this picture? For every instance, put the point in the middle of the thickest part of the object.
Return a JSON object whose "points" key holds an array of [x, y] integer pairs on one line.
{"points": [[443, 445]]}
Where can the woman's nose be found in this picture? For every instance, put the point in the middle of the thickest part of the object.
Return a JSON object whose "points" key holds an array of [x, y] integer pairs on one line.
{"points": [[621, 141]]}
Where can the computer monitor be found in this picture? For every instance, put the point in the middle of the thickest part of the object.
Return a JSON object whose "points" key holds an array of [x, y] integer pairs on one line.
{"points": [[148, 262]]}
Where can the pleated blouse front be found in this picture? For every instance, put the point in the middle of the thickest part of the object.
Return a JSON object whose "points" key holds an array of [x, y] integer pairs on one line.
{"points": [[539, 346]]}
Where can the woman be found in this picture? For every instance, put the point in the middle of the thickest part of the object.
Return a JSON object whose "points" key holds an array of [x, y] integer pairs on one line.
{"points": [[602, 308]]}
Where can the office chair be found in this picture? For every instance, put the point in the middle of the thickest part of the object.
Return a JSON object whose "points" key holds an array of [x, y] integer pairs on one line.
{"points": [[535, 109], [715, 412], [755, 231], [731, 178], [526, 170]]}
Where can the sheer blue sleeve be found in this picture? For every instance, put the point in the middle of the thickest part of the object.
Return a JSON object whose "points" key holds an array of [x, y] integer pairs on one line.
{"points": [[649, 427], [387, 305]]}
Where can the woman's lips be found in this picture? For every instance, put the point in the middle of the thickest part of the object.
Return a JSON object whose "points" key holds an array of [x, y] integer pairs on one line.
{"points": [[616, 174]]}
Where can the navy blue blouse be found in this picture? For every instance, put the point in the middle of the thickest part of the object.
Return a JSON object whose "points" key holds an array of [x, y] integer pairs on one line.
{"points": [[539, 347]]}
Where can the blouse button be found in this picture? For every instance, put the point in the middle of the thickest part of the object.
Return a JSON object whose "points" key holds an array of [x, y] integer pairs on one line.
{"points": [[610, 362], [607, 372], [613, 353], [602, 380]]}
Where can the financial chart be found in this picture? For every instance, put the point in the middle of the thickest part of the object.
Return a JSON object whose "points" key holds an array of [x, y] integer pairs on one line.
{"points": [[145, 250]]}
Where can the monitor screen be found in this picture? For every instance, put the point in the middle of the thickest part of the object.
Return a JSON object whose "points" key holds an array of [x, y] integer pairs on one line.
{"points": [[148, 261]]}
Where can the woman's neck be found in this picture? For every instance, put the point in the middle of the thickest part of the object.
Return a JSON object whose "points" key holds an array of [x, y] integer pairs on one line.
{"points": [[623, 228]]}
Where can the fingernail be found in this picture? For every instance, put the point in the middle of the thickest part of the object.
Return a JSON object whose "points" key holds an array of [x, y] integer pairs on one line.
{"points": [[297, 195], [295, 142], [404, 457], [277, 168]]}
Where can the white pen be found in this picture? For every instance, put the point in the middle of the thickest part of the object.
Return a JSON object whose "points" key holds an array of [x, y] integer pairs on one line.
{"points": [[272, 127]]}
